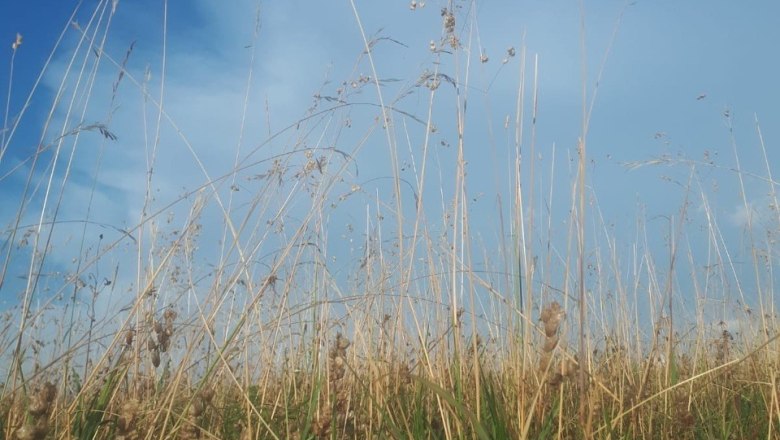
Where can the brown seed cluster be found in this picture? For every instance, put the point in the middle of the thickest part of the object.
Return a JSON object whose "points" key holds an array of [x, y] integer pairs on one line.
{"points": [[336, 357], [129, 336], [723, 347], [448, 19], [163, 330], [200, 402], [551, 318], [337, 408], [39, 408], [127, 422]]}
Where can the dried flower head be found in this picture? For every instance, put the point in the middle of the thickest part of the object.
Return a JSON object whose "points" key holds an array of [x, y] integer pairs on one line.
{"points": [[449, 20], [156, 357], [129, 335], [551, 317], [127, 417], [18, 42], [39, 408], [550, 343], [40, 404]]}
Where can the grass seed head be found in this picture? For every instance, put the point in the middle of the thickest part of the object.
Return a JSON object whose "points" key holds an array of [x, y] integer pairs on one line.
{"points": [[41, 402], [550, 343], [128, 415], [129, 335], [551, 317], [155, 357], [36, 431], [39, 408]]}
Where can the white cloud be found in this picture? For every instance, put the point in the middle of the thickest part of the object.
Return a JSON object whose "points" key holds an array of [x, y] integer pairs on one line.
{"points": [[742, 215], [759, 214]]}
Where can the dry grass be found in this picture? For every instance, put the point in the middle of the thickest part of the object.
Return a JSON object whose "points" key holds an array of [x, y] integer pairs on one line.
{"points": [[430, 333]]}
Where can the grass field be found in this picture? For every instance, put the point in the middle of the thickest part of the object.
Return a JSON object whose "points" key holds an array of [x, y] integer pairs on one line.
{"points": [[345, 277]]}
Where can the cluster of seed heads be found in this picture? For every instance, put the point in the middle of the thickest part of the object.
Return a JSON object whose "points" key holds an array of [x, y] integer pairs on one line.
{"points": [[127, 422], [199, 404], [39, 408], [162, 336], [415, 4], [337, 405], [551, 318], [449, 20], [723, 346], [336, 356]]}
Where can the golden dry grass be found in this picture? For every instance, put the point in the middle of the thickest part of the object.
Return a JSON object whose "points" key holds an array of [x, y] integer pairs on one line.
{"points": [[428, 336]]}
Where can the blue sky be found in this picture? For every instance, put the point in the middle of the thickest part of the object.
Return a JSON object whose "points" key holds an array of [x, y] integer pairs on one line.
{"points": [[673, 70]]}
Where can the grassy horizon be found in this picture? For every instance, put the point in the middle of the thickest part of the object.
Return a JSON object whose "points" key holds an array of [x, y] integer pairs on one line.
{"points": [[347, 276]]}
